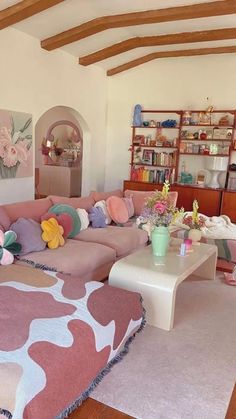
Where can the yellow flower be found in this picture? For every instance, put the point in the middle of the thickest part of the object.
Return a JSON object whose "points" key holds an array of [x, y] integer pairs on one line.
{"points": [[195, 211], [52, 233]]}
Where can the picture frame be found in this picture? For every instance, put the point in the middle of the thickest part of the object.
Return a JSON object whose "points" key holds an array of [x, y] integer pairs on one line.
{"points": [[147, 157], [138, 140]]}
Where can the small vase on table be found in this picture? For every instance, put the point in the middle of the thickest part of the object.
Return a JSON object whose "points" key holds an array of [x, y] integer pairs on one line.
{"points": [[195, 235]]}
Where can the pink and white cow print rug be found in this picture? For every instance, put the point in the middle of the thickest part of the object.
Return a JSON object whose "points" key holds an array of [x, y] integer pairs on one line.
{"points": [[59, 335]]}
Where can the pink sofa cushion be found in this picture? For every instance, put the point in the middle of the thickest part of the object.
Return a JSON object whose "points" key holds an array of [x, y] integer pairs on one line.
{"points": [[123, 240], [139, 198], [28, 209], [75, 257], [117, 209], [86, 202], [5, 221], [98, 196]]}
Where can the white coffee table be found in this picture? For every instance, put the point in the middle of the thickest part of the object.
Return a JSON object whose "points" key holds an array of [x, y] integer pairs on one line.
{"points": [[156, 279]]}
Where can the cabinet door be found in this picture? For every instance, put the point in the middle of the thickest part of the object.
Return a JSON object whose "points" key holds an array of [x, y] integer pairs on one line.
{"points": [[208, 199], [228, 206]]}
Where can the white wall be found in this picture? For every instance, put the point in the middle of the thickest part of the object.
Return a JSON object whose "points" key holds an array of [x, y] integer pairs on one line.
{"points": [[33, 80], [177, 83]]}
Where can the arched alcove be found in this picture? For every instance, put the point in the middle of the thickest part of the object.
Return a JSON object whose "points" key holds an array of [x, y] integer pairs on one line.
{"points": [[62, 153]]}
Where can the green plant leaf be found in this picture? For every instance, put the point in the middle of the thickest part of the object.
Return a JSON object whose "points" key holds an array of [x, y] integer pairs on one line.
{"points": [[27, 124], [12, 126]]}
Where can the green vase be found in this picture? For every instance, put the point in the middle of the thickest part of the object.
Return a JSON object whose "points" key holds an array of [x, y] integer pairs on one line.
{"points": [[160, 240]]}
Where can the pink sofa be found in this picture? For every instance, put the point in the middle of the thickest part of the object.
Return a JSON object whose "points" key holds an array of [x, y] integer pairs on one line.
{"points": [[91, 254]]}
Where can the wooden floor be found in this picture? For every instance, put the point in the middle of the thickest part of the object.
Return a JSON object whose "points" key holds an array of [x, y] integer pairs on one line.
{"points": [[91, 409], [231, 412]]}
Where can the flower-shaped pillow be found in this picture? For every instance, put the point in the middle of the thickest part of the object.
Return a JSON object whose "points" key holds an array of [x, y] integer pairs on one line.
{"points": [[65, 220], [68, 209], [97, 217], [8, 247], [102, 204], [52, 233]]}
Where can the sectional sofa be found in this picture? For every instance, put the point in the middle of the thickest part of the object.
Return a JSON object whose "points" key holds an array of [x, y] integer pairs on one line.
{"points": [[89, 255]]}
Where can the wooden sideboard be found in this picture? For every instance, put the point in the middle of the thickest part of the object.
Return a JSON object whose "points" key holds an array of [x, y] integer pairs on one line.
{"points": [[211, 201], [228, 204]]}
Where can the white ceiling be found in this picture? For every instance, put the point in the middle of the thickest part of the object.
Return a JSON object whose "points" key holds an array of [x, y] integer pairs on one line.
{"points": [[72, 13]]}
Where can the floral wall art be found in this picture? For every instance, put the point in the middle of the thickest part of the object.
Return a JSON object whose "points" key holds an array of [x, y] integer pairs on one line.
{"points": [[16, 154]]}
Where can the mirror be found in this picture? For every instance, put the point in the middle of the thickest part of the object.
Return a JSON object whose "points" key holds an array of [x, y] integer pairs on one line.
{"points": [[62, 145]]}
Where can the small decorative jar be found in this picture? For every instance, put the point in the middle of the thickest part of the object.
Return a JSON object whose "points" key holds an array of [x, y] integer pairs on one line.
{"points": [[195, 235]]}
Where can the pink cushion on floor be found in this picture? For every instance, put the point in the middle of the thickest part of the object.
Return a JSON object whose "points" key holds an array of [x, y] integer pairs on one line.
{"points": [[122, 239], [75, 257]]}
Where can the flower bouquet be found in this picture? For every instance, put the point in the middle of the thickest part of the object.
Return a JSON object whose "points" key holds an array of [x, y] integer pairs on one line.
{"points": [[159, 209], [158, 213], [194, 221]]}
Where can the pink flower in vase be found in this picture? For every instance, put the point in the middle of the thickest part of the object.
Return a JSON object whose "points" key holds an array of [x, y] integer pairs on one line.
{"points": [[160, 207]]}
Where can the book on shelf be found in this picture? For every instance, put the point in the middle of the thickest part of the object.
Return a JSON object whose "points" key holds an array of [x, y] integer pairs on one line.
{"points": [[143, 174]]}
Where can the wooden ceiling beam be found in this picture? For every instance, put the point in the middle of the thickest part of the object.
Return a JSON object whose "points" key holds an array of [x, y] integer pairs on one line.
{"points": [[215, 8], [168, 54], [149, 41], [23, 10]]}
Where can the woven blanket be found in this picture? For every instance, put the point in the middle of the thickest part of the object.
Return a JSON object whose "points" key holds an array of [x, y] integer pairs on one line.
{"points": [[59, 336]]}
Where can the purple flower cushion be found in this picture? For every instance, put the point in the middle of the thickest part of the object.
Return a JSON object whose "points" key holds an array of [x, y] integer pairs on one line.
{"points": [[29, 234], [97, 217], [64, 220]]}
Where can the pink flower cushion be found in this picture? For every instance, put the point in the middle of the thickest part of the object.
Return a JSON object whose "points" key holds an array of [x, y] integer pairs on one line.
{"points": [[28, 235], [117, 209], [64, 220]]}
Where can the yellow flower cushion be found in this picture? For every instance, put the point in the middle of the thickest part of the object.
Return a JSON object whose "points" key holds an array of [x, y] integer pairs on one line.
{"points": [[52, 233]]}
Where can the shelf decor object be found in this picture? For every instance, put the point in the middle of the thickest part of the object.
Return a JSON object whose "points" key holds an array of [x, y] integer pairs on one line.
{"points": [[216, 165]]}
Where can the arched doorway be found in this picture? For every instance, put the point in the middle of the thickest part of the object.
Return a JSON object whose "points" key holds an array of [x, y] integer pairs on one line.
{"points": [[59, 152]]}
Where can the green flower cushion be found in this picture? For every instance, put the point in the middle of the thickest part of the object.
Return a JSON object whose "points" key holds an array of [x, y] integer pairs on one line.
{"points": [[63, 208], [8, 247]]}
